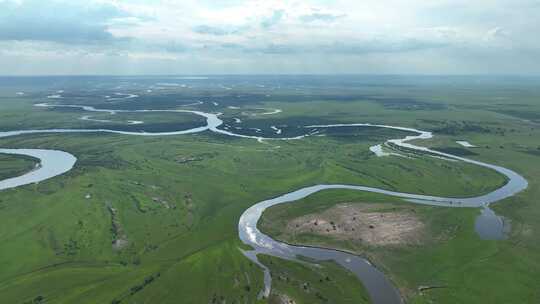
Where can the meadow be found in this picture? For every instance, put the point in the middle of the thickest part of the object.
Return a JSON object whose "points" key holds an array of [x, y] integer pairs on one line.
{"points": [[15, 165], [154, 219]]}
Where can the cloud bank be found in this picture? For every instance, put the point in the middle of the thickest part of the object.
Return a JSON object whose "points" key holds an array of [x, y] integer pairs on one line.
{"points": [[269, 36]]}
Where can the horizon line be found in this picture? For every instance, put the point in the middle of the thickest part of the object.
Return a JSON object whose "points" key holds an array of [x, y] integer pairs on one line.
{"points": [[276, 74]]}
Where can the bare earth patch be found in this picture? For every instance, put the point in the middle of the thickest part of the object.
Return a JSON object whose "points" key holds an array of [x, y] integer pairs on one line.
{"points": [[120, 239], [364, 223], [281, 299]]}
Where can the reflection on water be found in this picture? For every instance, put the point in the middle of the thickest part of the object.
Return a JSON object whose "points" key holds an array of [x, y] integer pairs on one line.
{"points": [[491, 226]]}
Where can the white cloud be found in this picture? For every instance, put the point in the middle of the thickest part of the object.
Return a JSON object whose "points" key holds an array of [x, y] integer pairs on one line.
{"points": [[238, 34]]}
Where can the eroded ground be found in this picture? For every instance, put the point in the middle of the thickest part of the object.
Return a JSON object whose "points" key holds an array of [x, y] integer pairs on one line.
{"points": [[374, 224]]}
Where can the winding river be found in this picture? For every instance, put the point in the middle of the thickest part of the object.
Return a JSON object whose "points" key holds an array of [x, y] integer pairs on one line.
{"points": [[52, 163], [380, 289]]}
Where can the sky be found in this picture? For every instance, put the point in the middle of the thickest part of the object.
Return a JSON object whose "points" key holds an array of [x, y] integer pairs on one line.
{"points": [[116, 37]]}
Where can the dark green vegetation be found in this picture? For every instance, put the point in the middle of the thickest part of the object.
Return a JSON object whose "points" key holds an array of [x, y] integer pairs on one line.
{"points": [[11, 166], [154, 219], [17, 114]]}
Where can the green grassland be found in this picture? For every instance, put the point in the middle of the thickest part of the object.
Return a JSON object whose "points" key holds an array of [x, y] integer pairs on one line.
{"points": [[11, 166], [313, 283], [465, 265], [21, 114], [177, 201], [59, 228]]}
